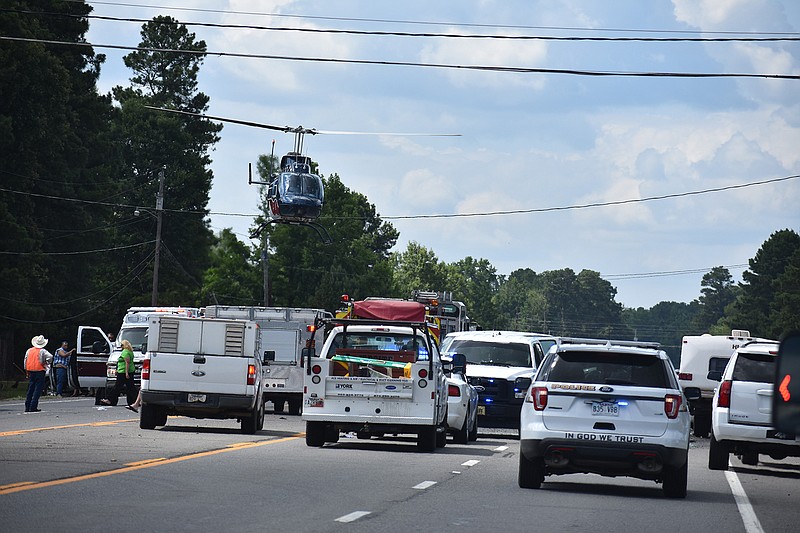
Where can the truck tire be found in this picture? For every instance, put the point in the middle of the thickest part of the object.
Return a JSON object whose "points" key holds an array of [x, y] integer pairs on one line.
{"points": [[717, 455], [250, 423], [702, 425], [441, 437], [426, 439], [473, 433], [161, 417], [331, 434], [750, 458], [278, 406], [260, 424], [315, 434], [531, 472], [295, 406], [675, 481], [147, 417], [461, 436]]}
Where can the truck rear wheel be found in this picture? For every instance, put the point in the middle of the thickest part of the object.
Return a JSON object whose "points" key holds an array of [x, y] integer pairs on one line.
{"points": [[278, 406], [250, 423], [315, 434], [426, 439], [295, 406], [147, 417]]}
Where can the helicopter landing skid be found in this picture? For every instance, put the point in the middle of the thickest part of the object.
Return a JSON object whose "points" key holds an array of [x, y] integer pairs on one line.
{"points": [[324, 236]]}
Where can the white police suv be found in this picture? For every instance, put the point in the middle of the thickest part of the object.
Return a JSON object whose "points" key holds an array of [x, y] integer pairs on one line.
{"points": [[612, 408]]}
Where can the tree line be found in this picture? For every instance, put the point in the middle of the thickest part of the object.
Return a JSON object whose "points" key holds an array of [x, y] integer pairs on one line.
{"points": [[80, 170]]}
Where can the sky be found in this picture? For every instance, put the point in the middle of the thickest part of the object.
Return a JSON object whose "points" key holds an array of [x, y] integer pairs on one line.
{"points": [[543, 143]]}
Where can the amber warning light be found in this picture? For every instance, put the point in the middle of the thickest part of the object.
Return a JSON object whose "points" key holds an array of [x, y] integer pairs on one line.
{"points": [[783, 388]]}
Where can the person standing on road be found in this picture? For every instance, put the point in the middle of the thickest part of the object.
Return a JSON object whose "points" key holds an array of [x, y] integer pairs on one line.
{"points": [[125, 371], [37, 360], [61, 366]]}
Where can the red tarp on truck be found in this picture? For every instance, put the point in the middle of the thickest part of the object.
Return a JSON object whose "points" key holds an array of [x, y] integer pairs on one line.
{"points": [[390, 310]]}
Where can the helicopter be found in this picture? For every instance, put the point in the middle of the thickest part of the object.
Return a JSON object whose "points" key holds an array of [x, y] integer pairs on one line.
{"points": [[295, 194]]}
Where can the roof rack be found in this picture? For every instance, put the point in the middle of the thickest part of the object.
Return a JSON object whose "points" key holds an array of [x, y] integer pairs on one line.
{"points": [[608, 342]]}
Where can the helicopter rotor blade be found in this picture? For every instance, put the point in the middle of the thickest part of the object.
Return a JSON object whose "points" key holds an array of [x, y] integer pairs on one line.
{"points": [[298, 129], [285, 129]]}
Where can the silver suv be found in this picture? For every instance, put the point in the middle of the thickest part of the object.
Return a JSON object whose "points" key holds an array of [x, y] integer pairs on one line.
{"points": [[741, 414], [612, 408]]}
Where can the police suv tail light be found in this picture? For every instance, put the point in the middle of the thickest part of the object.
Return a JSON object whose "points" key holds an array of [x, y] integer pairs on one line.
{"points": [[724, 394], [538, 397], [146, 369], [251, 374], [672, 405], [453, 390]]}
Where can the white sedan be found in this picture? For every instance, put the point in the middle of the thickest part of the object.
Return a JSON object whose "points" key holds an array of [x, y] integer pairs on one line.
{"points": [[462, 403]]}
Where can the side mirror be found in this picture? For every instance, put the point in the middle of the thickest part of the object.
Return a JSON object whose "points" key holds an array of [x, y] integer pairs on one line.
{"points": [[460, 363], [714, 375], [269, 355], [693, 393], [786, 390]]}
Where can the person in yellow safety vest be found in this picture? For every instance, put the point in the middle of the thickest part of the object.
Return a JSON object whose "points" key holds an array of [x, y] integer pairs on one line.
{"points": [[37, 360]]}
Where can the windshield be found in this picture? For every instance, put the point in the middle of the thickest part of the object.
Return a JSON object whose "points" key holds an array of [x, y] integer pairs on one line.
{"points": [[136, 336], [607, 368], [302, 185], [378, 343], [491, 353]]}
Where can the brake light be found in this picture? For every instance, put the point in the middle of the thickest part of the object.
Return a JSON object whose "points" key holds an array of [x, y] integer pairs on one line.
{"points": [[251, 374], [538, 397], [672, 405], [685, 376], [724, 394], [423, 373], [453, 390], [316, 369], [146, 369]]}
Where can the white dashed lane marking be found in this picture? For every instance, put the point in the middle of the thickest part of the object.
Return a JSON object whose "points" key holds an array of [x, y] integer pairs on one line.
{"points": [[424, 485], [471, 462], [500, 449], [352, 517]]}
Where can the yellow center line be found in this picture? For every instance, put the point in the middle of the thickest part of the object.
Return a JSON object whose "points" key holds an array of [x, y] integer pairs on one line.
{"points": [[131, 467], [87, 424]]}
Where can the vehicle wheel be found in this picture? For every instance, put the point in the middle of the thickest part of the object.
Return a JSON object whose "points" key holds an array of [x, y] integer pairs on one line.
{"points": [[161, 416], [331, 434], [278, 404], [531, 472], [147, 417], [750, 458], [473, 433], [260, 421], [315, 434], [702, 425], [296, 406], [441, 437], [462, 435], [99, 394], [675, 481], [426, 439], [717, 455], [250, 423]]}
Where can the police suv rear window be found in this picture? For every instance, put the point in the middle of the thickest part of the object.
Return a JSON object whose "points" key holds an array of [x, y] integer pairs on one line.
{"points": [[759, 368], [606, 368]]}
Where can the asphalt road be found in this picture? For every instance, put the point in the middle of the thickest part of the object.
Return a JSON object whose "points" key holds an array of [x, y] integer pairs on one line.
{"points": [[76, 466]]}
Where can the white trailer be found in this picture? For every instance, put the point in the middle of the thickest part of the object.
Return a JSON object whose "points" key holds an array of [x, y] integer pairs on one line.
{"points": [[284, 332]]}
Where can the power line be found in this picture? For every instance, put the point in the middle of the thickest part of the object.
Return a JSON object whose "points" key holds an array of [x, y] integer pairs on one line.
{"points": [[371, 62], [81, 252], [665, 273], [427, 23], [376, 33]]}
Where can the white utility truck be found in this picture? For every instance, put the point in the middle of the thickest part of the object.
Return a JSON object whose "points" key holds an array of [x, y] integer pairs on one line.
{"points": [[701, 354], [375, 378], [202, 368], [284, 332]]}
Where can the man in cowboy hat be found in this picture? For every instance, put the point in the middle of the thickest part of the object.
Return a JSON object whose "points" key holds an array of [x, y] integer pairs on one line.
{"points": [[37, 358]]}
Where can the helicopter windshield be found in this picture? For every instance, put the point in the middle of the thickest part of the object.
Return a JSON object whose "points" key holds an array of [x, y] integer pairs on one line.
{"points": [[309, 185]]}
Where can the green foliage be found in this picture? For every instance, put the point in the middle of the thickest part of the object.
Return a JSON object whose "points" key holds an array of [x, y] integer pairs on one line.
{"points": [[665, 322], [235, 276], [418, 268], [718, 292]]}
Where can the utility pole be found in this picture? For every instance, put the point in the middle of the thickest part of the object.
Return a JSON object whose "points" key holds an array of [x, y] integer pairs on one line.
{"points": [[265, 262], [159, 213]]}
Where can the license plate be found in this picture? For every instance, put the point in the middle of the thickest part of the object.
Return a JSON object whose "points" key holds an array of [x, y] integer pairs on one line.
{"points": [[197, 398], [482, 410], [605, 409]]}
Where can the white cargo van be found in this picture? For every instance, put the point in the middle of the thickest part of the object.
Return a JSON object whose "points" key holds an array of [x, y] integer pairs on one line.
{"points": [[284, 332], [202, 368], [701, 354]]}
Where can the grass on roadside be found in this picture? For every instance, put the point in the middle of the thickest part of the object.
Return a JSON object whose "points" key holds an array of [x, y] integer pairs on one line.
{"points": [[13, 390]]}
